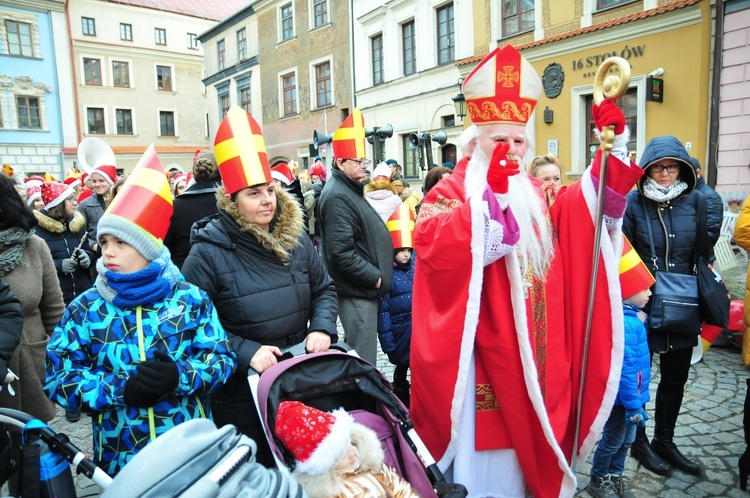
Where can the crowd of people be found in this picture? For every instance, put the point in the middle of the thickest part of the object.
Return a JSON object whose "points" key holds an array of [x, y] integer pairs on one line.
{"points": [[147, 299]]}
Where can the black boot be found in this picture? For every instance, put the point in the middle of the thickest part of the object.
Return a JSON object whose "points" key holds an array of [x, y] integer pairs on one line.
{"points": [[667, 408], [401, 390], [641, 451], [744, 463]]}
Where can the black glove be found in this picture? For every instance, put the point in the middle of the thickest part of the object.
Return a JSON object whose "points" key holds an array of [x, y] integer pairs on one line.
{"points": [[138, 394], [160, 376]]}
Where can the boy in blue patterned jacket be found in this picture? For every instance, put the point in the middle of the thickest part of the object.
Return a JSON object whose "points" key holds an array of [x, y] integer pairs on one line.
{"points": [[142, 349], [627, 413]]}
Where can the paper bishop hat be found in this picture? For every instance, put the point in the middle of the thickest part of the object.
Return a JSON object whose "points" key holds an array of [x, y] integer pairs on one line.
{"points": [[634, 276], [141, 211], [349, 140], [241, 152], [503, 88], [401, 226]]}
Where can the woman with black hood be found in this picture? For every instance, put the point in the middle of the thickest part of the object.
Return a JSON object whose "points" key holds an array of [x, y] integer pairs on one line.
{"points": [[666, 200], [258, 266]]}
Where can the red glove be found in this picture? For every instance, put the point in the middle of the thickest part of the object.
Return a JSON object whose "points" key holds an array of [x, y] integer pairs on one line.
{"points": [[501, 168], [608, 114]]}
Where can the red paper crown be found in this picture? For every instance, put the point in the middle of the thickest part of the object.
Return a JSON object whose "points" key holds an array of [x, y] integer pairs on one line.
{"points": [[503, 88], [241, 152], [145, 198], [349, 140], [634, 276], [401, 226]]}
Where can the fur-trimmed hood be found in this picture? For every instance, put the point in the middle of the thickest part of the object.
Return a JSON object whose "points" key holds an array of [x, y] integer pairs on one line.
{"points": [[369, 452], [284, 231], [380, 183], [74, 225]]}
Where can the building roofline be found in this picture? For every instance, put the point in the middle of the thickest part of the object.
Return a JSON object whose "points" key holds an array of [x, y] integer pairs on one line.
{"points": [[233, 19], [589, 29]]}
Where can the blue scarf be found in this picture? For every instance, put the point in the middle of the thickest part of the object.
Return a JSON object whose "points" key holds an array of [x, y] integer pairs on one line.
{"points": [[146, 286]]}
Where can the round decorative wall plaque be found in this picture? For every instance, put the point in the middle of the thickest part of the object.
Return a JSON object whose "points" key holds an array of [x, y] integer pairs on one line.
{"points": [[552, 79]]}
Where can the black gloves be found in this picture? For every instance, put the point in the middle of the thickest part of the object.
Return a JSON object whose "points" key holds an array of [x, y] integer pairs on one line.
{"points": [[154, 379]]}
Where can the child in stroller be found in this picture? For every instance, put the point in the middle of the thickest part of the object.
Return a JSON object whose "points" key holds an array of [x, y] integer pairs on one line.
{"points": [[336, 456], [333, 379]]}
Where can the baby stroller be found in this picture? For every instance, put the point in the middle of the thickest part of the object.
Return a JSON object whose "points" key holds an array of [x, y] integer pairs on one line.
{"points": [[45, 471], [335, 379]]}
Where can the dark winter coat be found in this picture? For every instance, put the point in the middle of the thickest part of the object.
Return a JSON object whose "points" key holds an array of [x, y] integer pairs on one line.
{"points": [[356, 243], [394, 315], [11, 326], [198, 201], [269, 288], [636, 362], [678, 226], [92, 208], [714, 212], [62, 238]]}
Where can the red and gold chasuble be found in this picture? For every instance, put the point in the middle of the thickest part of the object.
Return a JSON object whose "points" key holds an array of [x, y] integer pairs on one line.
{"points": [[527, 350]]}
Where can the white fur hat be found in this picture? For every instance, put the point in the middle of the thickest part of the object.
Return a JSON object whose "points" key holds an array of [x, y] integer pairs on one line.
{"points": [[317, 439], [382, 169]]}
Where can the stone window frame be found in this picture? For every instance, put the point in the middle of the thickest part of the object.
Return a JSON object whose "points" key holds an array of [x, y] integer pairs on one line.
{"points": [[282, 29], [319, 19], [24, 18], [313, 72], [21, 86], [175, 129]]}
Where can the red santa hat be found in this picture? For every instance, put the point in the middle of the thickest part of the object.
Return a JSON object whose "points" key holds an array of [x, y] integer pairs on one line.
{"points": [[401, 226], [503, 88], [634, 276], [241, 151], [349, 140], [318, 440], [108, 172], [72, 181], [54, 194], [33, 181], [282, 173], [33, 193], [317, 169]]}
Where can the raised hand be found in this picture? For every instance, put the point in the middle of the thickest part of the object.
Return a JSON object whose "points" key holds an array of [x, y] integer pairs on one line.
{"points": [[501, 168]]}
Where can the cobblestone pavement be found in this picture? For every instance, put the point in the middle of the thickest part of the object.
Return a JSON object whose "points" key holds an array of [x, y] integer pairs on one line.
{"points": [[709, 430]]}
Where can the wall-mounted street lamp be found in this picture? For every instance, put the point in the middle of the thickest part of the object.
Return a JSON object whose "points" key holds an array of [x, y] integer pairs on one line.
{"points": [[459, 101]]}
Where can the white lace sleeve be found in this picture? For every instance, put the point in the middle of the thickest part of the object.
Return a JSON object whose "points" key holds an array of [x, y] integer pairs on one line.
{"points": [[494, 248]]}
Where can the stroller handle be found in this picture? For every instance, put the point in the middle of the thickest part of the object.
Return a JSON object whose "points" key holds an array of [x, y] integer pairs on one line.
{"points": [[299, 349], [59, 443]]}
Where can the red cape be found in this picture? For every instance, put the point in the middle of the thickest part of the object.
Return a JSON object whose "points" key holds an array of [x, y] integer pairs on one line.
{"points": [[530, 349]]}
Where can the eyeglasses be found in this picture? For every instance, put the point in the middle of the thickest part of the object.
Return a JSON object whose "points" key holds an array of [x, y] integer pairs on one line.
{"points": [[361, 162], [672, 168]]}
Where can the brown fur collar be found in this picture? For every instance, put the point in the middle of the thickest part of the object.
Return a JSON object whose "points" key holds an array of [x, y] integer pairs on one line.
{"points": [[380, 184], [370, 453], [285, 229], [52, 225]]}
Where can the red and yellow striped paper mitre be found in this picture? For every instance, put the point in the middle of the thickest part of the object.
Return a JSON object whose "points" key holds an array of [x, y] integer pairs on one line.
{"points": [[503, 88], [145, 198], [401, 226], [241, 152], [349, 140], [634, 276]]}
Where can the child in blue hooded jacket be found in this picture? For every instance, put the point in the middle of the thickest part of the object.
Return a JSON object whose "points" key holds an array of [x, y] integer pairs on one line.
{"points": [[627, 413]]}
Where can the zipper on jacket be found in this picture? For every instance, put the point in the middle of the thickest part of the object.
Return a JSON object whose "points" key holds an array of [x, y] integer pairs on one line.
{"points": [[142, 354], [666, 235], [67, 249]]}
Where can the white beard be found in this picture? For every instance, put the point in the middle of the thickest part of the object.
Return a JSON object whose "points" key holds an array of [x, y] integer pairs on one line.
{"points": [[536, 245]]}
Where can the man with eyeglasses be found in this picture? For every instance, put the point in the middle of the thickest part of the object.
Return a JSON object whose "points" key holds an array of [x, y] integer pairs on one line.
{"points": [[356, 244]]}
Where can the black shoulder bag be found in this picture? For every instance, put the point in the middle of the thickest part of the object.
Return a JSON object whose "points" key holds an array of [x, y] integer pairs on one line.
{"points": [[675, 306], [713, 295]]}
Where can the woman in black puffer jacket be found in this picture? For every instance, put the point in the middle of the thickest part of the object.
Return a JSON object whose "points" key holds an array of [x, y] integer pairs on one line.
{"points": [[269, 287], [64, 230], [678, 222]]}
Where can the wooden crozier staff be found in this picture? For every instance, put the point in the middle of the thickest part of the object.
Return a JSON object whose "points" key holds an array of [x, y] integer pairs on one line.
{"points": [[610, 86]]}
